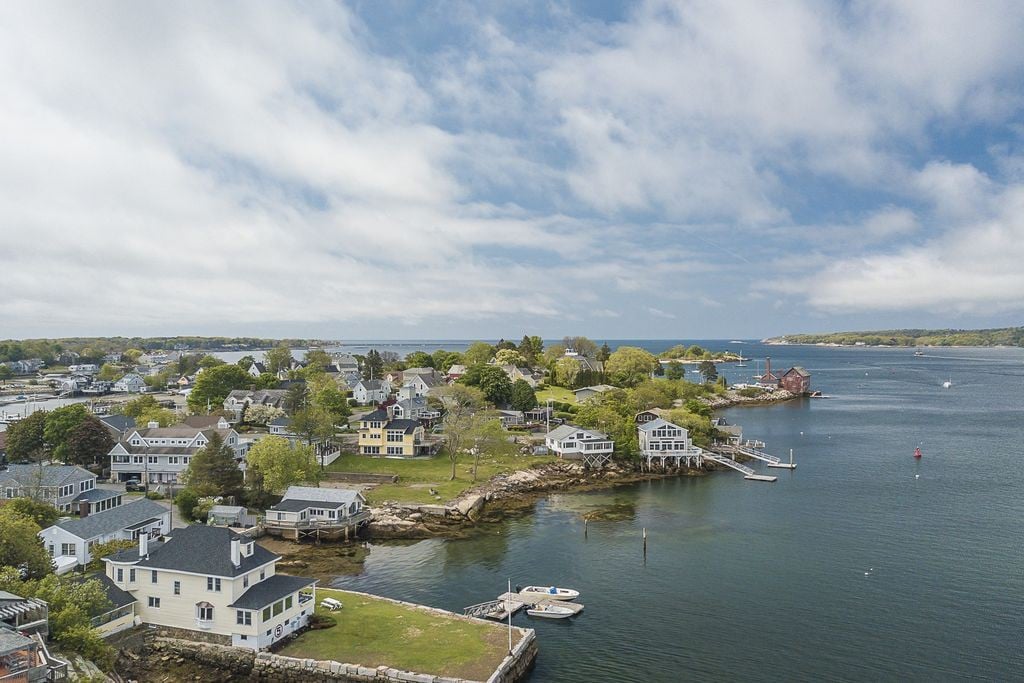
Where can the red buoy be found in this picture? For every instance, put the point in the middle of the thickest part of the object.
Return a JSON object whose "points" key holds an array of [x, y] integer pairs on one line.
{"points": [[917, 452]]}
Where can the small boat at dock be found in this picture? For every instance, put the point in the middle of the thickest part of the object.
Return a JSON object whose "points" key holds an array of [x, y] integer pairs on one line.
{"points": [[549, 593], [549, 611]]}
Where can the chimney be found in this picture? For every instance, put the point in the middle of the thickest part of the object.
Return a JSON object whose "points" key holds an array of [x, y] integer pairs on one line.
{"points": [[143, 545], [236, 554], [152, 424], [83, 509]]}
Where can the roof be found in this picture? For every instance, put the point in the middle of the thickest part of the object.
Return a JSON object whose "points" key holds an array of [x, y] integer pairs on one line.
{"points": [[378, 415], [96, 495], [227, 510], [599, 388], [11, 641], [658, 422], [271, 590], [314, 493], [559, 433], [297, 505], [457, 369], [52, 475], [119, 423], [116, 596], [372, 384], [181, 431], [205, 550], [280, 421], [401, 425], [798, 370], [202, 421], [114, 519]]}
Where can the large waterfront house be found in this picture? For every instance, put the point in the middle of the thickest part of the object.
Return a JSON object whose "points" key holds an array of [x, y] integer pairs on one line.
{"points": [[70, 540], [214, 582], [410, 406], [327, 512], [379, 434], [131, 383], [649, 415], [159, 455], [664, 442], [369, 391], [58, 485], [576, 443], [240, 399]]}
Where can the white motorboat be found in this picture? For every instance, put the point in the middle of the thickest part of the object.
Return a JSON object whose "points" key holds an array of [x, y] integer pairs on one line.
{"points": [[549, 592], [549, 611]]}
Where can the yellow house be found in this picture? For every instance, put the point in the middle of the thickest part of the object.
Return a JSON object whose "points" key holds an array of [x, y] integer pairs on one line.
{"points": [[381, 435], [215, 582]]}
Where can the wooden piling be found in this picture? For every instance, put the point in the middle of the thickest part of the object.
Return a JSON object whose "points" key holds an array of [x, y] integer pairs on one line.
{"points": [[585, 521]]}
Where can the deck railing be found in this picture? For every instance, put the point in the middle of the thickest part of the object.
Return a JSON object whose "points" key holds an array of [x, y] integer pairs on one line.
{"points": [[353, 520]]}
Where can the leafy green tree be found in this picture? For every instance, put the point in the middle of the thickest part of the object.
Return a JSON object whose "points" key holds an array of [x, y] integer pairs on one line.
{"points": [[89, 442], [629, 365], [275, 464], [487, 436], [297, 397], [697, 407], [25, 439], [162, 416], [5, 373], [419, 359], [187, 500], [373, 365], [566, 372], [213, 470], [582, 346], [262, 415], [314, 424], [708, 370], [675, 371], [612, 413], [444, 360], [652, 394], [245, 362], [110, 372], [504, 344], [509, 357], [324, 393], [213, 386], [523, 395], [209, 361], [317, 360], [278, 359], [39, 511], [138, 406], [266, 381], [604, 352], [20, 545], [101, 550], [460, 403], [60, 422], [495, 384], [531, 349], [478, 353]]}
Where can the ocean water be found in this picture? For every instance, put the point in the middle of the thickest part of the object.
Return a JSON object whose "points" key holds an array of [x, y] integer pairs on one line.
{"points": [[863, 564]]}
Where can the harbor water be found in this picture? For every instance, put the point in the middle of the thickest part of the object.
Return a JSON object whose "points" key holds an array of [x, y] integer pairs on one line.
{"points": [[863, 564]]}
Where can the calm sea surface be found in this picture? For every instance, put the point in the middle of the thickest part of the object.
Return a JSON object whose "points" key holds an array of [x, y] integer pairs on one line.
{"points": [[861, 565]]}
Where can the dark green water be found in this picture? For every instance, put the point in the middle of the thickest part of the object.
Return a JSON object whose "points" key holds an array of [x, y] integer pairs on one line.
{"points": [[851, 568]]}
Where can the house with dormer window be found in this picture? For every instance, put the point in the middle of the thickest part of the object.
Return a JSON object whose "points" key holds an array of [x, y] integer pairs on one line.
{"points": [[159, 455]]}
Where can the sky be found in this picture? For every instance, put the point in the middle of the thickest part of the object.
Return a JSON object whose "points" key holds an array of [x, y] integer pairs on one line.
{"points": [[383, 169]]}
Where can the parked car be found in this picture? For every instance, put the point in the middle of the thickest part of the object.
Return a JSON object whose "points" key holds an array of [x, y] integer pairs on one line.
{"points": [[134, 485]]}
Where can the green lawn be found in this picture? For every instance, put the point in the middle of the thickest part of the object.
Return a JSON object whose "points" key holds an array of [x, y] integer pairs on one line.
{"points": [[417, 477], [374, 632], [555, 393]]}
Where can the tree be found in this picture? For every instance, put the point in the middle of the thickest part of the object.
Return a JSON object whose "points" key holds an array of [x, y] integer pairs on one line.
{"points": [[652, 394], [213, 386], [566, 371], [582, 346], [138, 406], [262, 415], [444, 360], [162, 416], [604, 352], [59, 424], [20, 545], [213, 470], [110, 372], [629, 365], [89, 441], [39, 511], [708, 369], [531, 349], [478, 353], [5, 373], [275, 464], [509, 357], [101, 550], [419, 359], [495, 384], [314, 424], [209, 361], [317, 360], [373, 365], [278, 359], [266, 381], [245, 362], [460, 403], [675, 371], [186, 500], [523, 396], [297, 397], [612, 413], [25, 437], [487, 435], [324, 393]]}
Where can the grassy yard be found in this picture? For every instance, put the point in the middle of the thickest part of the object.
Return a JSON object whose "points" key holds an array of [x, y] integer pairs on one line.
{"points": [[417, 477], [374, 632], [555, 393]]}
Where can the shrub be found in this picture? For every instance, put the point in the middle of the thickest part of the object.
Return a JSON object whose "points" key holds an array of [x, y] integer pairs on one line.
{"points": [[319, 621], [353, 403], [155, 495], [187, 500], [750, 392]]}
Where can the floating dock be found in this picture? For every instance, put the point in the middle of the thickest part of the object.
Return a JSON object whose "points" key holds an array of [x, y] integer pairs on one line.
{"points": [[531, 601], [760, 477]]}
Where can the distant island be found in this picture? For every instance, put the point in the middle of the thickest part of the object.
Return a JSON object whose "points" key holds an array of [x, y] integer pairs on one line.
{"points": [[1002, 336], [97, 347]]}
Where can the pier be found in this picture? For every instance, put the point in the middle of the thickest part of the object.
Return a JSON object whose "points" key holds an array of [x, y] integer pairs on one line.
{"points": [[748, 473], [499, 608]]}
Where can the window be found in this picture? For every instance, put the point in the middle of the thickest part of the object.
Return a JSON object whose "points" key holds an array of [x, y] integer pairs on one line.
{"points": [[266, 616], [204, 611], [177, 587], [152, 576], [154, 602], [263, 574], [212, 584], [244, 637], [131, 574], [245, 581], [67, 549], [288, 602], [120, 575], [244, 618], [9, 493], [278, 607]]}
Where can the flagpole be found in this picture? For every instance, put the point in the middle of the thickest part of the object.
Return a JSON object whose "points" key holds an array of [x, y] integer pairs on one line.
{"points": [[508, 608]]}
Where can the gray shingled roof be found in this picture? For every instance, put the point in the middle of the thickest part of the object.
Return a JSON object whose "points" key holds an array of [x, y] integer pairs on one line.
{"points": [[205, 550], [323, 494], [118, 423], [405, 426], [52, 475], [96, 495], [114, 519], [118, 598], [378, 415], [12, 641], [298, 505], [271, 590], [564, 431]]}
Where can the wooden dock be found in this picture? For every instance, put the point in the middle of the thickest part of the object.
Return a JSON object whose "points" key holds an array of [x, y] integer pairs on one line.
{"points": [[530, 601], [760, 477]]}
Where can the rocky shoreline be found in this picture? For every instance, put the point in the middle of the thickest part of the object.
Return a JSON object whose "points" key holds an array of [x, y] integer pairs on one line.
{"points": [[733, 398]]}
